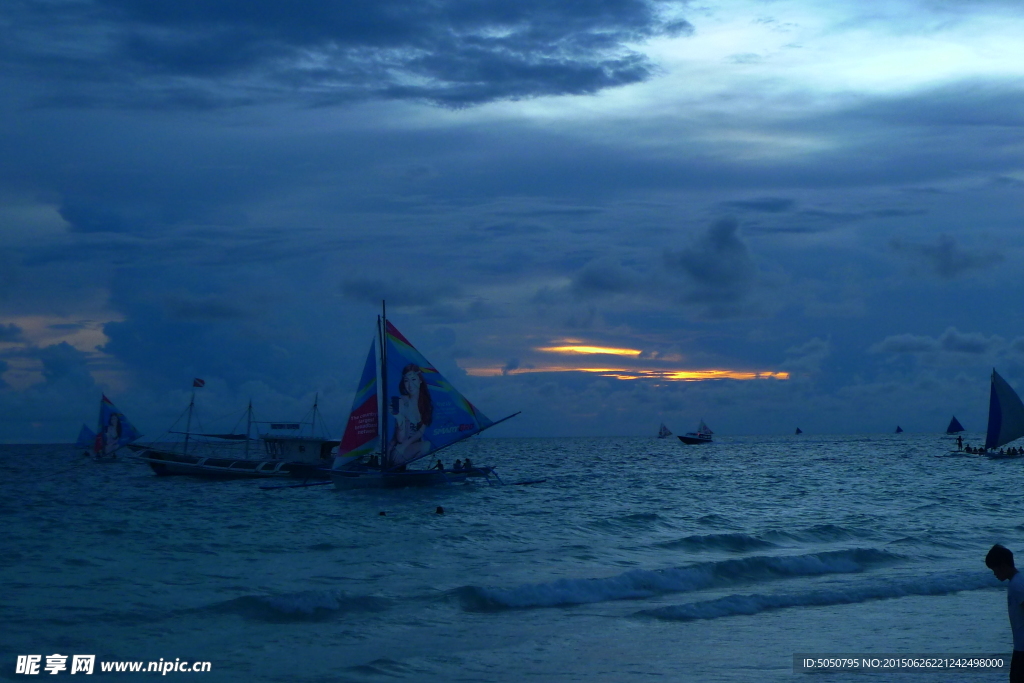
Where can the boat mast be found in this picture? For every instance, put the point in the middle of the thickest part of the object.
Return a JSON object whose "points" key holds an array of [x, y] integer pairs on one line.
{"points": [[312, 426], [188, 424], [248, 427], [382, 324]]}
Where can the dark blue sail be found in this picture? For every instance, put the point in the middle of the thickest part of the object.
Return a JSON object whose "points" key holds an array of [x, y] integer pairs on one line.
{"points": [[899, 430], [954, 426], [1005, 414]]}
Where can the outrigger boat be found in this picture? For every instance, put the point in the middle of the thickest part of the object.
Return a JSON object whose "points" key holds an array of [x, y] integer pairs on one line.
{"points": [[112, 433], [1005, 417], [702, 435], [289, 450], [416, 414]]}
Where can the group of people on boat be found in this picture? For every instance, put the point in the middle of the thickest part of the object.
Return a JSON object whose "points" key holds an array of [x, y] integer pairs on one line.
{"points": [[459, 466], [981, 450]]}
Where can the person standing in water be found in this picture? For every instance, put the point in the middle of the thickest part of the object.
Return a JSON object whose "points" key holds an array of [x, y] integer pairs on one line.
{"points": [[1000, 561]]}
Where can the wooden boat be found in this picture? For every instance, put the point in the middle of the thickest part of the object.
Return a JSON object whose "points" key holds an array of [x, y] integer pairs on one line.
{"points": [[289, 450]]}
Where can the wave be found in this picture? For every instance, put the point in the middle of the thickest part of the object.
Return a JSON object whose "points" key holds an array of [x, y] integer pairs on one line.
{"points": [[733, 605], [820, 533], [301, 606], [641, 583], [629, 523], [735, 542]]}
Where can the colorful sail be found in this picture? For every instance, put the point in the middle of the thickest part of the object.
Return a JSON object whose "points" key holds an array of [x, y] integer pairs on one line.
{"points": [[360, 437], [86, 438], [425, 412], [954, 426], [114, 430], [1005, 414]]}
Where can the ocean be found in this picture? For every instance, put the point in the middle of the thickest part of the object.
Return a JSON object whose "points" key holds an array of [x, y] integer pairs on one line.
{"points": [[634, 559]]}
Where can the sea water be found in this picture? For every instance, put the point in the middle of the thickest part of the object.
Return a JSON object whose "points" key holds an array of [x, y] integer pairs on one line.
{"points": [[627, 559]]}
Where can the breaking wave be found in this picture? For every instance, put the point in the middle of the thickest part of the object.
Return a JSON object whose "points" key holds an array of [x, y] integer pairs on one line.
{"points": [[301, 606], [733, 605], [735, 542], [641, 583]]}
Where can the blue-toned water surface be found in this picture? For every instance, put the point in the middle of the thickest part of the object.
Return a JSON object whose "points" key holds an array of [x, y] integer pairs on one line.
{"points": [[636, 559]]}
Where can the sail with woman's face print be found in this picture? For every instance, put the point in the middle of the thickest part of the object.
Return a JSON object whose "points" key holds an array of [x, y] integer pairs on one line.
{"points": [[425, 412], [114, 428], [361, 431]]}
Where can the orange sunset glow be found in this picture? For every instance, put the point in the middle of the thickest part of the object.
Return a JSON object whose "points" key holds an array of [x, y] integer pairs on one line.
{"points": [[669, 374]]}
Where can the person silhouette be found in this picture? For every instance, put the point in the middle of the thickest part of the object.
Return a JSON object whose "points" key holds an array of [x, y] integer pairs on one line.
{"points": [[1000, 560]]}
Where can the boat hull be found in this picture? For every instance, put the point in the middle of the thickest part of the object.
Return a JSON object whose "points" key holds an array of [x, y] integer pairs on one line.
{"points": [[375, 479], [694, 439], [165, 463]]}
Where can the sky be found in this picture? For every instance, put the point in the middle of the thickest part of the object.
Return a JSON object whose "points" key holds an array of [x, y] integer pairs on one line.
{"points": [[606, 215]]}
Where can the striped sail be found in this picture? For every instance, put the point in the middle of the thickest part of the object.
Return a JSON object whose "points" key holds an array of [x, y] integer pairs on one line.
{"points": [[425, 412], [360, 437], [1005, 414]]}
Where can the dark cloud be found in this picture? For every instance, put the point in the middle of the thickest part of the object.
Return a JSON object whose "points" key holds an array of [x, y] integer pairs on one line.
{"points": [[807, 358], [65, 364], [451, 52], [10, 333], [603, 278], [204, 309], [905, 343], [946, 258], [950, 341], [718, 264], [85, 217], [398, 292], [763, 204]]}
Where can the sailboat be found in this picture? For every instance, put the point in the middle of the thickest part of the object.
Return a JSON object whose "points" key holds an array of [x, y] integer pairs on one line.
{"points": [[663, 432], [290, 449], [798, 431], [1005, 415], [899, 430], [112, 432], [954, 426], [702, 435], [415, 414]]}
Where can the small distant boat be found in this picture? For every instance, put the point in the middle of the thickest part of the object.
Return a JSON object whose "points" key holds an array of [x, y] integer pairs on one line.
{"points": [[954, 426], [1005, 415], [663, 432], [799, 431], [899, 430], [702, 435], [419, 414], [113, 432]]}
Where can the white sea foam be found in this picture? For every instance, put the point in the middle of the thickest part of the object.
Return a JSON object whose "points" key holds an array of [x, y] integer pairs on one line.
{"points": [[641, 583], [732, 605]]}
